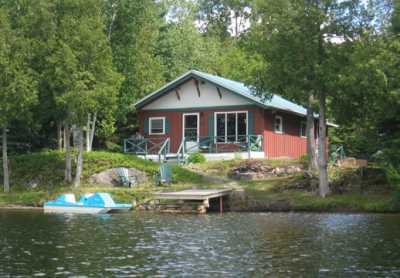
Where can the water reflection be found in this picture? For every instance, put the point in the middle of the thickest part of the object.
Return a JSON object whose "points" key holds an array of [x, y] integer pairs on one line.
{"points": [[228, 245]]}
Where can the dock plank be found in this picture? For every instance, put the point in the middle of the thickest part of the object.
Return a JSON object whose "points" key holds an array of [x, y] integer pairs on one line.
{"points": [[193, 194]]}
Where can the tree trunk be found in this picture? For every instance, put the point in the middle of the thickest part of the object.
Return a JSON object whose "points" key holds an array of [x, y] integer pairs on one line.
{"points": [[114, 7], [68, 158], [322, 155], [6, 177], [79, 163], [87, 133], [59, 136], [74, 135], [90, 130], [64, 137], [311, 146]]}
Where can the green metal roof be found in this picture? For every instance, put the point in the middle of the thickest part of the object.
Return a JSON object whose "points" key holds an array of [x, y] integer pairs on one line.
{"points": [[275, 102]]}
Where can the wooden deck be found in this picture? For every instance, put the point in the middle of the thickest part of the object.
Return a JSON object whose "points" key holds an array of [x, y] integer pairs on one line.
{"points": [[202, 195]]}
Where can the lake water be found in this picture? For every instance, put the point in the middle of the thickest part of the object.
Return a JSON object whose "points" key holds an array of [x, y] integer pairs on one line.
{"points": [[33, 244]]}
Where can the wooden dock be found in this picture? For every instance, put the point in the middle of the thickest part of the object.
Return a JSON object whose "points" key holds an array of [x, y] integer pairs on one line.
{"points": [[194, 197]]}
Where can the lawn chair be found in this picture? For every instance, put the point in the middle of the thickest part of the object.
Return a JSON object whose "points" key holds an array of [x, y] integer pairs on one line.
{"points": [[124, 178], [165, 175]]}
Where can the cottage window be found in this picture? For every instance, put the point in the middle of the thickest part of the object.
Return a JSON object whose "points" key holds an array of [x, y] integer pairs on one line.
{"points": [[278, 124], [157, 125], [231, 127], [303, 129]]}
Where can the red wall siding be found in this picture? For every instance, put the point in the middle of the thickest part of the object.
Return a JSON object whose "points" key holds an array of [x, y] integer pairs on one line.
{"points": [[289, 144], [175, 133], [175, 119]]}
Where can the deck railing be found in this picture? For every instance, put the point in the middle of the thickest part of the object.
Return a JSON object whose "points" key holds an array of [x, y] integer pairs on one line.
{"points": [[180, 154], [221, 144], [164, 150], [204, 144], [145, 146]]}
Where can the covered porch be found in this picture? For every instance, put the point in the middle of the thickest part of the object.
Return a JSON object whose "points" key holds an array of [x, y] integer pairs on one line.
{"points": [[212, 147]]}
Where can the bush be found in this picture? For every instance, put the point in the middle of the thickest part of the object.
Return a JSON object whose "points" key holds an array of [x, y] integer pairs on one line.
{"points": [[112, 147], [393, 176], [304, 160], [238, 156], [196, 158]]}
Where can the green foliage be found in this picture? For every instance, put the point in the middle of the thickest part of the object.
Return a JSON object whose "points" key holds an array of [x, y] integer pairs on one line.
{"points": [[393, 176], [81, 68], [45, 170], [18, 87], [112, 147], [132, 27], [304, 160], [237, 156], [396, 17], [196, 157]]}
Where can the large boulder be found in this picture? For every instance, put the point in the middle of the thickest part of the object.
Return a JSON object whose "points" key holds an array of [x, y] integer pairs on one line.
{"points": [[110, 177]]}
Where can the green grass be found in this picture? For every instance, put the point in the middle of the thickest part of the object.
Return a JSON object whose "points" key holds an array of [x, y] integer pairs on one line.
{"points": [[275, 192], [46, 169]]}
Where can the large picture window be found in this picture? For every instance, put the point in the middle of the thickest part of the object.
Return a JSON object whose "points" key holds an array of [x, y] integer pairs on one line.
{"points": [[157, 125], [231, 127]]}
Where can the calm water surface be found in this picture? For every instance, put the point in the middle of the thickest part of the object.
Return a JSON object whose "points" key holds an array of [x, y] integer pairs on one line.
{"points": [[33, 244]]}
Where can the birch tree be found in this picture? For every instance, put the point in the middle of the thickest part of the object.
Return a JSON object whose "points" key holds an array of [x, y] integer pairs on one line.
{"points": [[83, 72], [17, 85]]}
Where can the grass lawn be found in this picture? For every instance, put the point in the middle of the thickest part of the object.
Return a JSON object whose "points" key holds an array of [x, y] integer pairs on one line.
{"points": [[38, 177], [363, 195]]}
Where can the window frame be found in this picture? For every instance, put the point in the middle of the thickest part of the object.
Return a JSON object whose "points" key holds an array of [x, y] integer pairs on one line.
{"points": [[150, 125], [280, 131], [226, 126], [184, 122], [305, 129]]}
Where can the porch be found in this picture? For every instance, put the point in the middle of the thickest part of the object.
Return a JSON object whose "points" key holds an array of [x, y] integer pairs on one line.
{"points": [[212, 147]]}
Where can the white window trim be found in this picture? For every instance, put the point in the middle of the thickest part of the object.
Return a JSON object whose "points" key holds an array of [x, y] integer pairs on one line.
{"points": [[150, 127], [281, 129], [198, 125], [226, 124], [305, 123]]}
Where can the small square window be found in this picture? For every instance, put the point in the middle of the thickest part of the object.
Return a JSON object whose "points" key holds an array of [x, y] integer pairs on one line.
{"points": [[278, 124], [157, 126], [303, 129]]}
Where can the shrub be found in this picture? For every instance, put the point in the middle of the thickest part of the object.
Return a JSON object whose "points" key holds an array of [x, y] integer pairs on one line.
{"points": [[304, 160], [393, 176], [112, 147], [196, 158], [238, 156]]}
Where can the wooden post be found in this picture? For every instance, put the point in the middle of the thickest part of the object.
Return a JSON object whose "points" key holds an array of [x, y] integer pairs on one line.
{"points": [[221, 205], [249, 146]]}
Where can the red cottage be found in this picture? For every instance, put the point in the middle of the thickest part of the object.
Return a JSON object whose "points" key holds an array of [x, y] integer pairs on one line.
{"points": [[199, 112]]}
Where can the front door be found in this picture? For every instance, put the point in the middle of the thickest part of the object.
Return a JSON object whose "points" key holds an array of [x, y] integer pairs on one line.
{"points": [[191, 124]]}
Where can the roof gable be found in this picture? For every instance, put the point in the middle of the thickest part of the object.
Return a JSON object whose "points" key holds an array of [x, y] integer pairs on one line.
{"points": [[240, 89]]}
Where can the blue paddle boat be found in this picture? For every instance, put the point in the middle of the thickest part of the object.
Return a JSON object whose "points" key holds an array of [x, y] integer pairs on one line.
{"points": [[89, 203]]}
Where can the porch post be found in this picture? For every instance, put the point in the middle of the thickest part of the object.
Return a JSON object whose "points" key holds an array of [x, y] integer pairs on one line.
{"points": [[249, 145]]}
